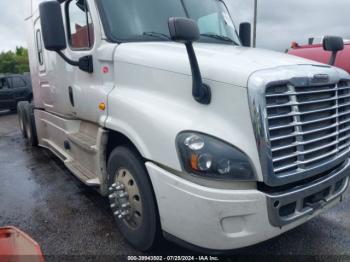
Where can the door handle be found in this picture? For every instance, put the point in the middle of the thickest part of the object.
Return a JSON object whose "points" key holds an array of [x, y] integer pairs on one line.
{"points": [[71, 96]]}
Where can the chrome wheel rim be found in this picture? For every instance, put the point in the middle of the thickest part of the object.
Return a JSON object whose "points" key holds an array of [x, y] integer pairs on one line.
{"points": [[125, 199]]}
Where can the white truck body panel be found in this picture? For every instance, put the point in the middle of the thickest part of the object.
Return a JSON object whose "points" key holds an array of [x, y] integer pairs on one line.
{"points": [[221, 63]]}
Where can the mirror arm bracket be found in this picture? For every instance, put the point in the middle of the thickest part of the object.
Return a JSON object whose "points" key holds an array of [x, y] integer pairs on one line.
{"points": [[200, 91], [85, 63], [333, 58], [67, 60]]}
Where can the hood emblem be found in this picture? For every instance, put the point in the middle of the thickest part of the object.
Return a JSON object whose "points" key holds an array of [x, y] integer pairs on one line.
{"points": [[320, 78]]}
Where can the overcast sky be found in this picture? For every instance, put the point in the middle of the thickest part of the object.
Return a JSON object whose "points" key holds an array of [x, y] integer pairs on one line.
{"points": [[280, 21]]}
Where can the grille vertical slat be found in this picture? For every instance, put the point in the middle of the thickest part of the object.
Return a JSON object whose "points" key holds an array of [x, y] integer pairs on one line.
{"points": [[307, 125]]}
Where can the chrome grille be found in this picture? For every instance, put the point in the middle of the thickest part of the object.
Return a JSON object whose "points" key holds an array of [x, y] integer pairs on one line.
{"points": [[307, 125]]}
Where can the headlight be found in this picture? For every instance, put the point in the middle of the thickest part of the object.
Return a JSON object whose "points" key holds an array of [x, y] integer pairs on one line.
{"points": [[210, 157]]}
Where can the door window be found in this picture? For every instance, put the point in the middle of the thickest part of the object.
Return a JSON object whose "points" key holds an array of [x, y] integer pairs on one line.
{"points": [[18, 82], [80, 26], [4, 84]]}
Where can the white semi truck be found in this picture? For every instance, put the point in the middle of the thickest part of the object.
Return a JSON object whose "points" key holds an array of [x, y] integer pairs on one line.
{"points": [[163, 107]]}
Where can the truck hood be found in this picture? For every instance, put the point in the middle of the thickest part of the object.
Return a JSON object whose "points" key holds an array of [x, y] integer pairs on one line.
{"points": [[218, 62]]}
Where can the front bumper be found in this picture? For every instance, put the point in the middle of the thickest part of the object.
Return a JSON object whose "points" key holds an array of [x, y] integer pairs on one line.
{"points": [[219, 219], [291, 205]]}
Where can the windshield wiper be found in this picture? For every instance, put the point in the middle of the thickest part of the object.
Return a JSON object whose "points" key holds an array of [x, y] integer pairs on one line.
{"points": [[158, 35], [220, 37]]}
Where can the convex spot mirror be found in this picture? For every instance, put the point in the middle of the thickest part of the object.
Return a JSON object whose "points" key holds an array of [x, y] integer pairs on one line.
{"points": [[183, 30], [333, 44], [186, 31]]}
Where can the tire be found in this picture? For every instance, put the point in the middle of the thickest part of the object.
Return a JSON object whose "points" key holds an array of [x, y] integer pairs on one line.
{"points": [[142, 227], [21, 112], [29, 124]]}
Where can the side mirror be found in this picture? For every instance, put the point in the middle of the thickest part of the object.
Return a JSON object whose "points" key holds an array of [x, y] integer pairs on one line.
{"points": [[183, 29], [54, 36], [186, 31], [245, 34], [333, 44], [52, 26]]}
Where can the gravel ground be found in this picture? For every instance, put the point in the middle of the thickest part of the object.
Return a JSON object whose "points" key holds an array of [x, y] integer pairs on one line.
{"points": [[69, 220]]}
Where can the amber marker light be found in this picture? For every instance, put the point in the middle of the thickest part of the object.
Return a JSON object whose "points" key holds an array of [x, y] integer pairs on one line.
{"points": [[102, 106]]}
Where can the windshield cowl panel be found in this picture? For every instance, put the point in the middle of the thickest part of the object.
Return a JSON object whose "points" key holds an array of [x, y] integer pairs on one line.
{"points": [[137, 21]]}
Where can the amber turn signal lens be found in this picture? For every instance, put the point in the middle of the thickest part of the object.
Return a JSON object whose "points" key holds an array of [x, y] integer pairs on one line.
{"points": [[194, 162]]}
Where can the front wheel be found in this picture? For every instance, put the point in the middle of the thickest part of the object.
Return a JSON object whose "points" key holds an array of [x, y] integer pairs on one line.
{"points": [[132, 199]]}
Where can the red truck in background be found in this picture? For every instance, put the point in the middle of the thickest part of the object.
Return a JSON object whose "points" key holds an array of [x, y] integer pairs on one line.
{"points": [[318, 53]]}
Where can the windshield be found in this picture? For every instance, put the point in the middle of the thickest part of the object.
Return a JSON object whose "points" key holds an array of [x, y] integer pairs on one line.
{"points": [[147, 20]]}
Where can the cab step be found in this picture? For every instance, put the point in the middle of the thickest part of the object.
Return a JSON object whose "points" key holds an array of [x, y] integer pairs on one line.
{"points": [[85, 175], [84, 141]]}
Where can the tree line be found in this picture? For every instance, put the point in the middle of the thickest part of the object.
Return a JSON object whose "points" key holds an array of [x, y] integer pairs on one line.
{"points": [[14, 62]]}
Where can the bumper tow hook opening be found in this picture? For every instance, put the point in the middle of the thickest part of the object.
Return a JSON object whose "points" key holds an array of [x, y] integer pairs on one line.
{"points": [[318, 205]]}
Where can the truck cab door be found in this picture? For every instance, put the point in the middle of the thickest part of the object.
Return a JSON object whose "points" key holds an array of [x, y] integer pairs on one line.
{"points": [[85, 91]]}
